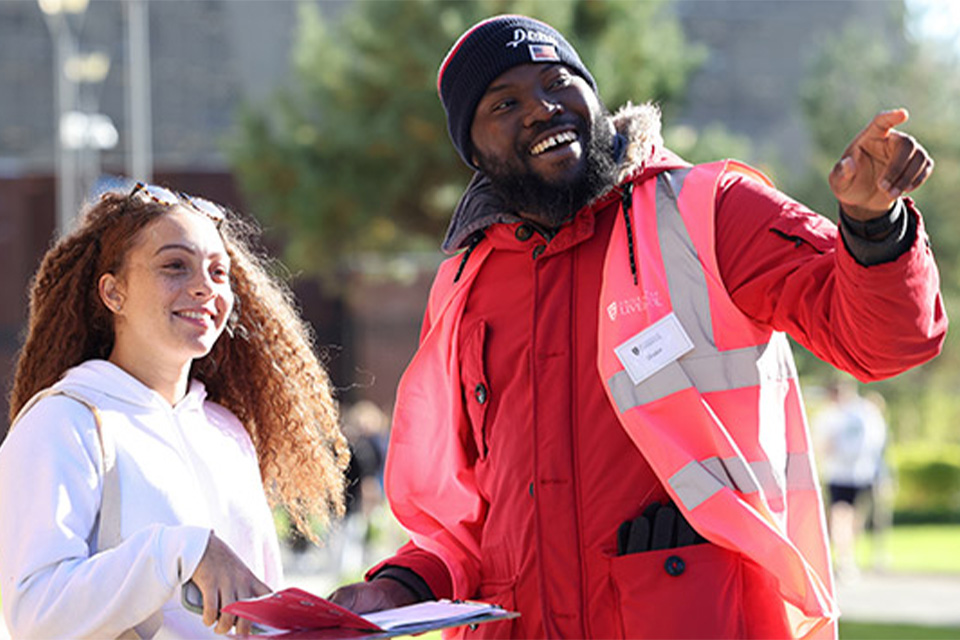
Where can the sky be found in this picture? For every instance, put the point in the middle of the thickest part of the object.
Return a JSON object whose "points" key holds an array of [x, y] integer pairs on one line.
{"points": [[938, 19]]}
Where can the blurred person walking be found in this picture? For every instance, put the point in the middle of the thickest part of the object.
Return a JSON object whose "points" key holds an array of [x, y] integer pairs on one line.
{"points": [[882, 496], [365, 426], [166, 389], [852, 435]]}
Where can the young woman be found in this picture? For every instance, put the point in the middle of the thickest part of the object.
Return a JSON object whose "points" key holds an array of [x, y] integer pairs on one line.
{"points": [[173, 353]]}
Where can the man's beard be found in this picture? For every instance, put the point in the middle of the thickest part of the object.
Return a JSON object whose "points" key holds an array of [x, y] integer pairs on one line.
{"points": [[524, 190]]}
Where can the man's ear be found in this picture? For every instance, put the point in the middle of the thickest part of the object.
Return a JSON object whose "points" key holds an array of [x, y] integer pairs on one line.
{"points": [[110, 292]]}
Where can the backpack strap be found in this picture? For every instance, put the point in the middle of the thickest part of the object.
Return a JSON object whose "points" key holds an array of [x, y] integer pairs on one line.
{"points": [[108, 529]]}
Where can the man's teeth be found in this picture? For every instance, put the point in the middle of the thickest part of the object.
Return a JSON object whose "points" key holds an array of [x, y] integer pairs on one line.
{"points": [[198, 315], [553, 141]]}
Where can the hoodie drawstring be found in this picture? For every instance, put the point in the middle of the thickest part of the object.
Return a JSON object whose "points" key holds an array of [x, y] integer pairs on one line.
{"points": [[475, 239], [626, 206]]}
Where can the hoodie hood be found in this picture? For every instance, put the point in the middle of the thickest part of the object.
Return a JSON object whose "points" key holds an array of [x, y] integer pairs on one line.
{"points": [[104, 383], [641, 155]]}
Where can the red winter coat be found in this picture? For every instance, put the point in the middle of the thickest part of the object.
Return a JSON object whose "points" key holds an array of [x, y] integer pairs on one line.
{"points": [[535, 472]]}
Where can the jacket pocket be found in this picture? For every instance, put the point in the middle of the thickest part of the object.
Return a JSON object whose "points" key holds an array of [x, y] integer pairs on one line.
{"points": [[475, 387], [819, 234], [687, 592]]}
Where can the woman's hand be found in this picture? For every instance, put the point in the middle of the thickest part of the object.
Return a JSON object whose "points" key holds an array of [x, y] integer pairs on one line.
{"points": [[223, 578]]}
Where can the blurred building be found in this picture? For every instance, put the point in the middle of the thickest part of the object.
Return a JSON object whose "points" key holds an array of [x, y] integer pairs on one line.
{"points": [[759, 53], [206, 57]]}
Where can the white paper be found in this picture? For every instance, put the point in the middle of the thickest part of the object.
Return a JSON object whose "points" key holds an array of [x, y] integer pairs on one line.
{"points": [[424, 612]]}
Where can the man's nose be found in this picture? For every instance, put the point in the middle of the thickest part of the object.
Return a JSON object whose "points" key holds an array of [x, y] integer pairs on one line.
{"points": [[542, 108]]}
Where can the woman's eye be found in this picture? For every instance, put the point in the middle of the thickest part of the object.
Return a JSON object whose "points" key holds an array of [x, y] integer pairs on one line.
{"points": [[220, 273], [175, 265]]}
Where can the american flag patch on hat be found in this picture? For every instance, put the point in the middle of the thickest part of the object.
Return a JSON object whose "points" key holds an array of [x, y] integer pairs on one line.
{"points": [[541, 52]]}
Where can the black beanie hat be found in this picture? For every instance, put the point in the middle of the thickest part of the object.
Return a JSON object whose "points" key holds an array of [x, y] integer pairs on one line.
{"points": [[482, 53]]}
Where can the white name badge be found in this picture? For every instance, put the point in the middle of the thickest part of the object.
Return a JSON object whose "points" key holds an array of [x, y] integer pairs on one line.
{"points": [[654, 348]]}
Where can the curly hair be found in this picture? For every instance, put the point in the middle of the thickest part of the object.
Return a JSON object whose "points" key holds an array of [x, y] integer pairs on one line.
{"points": [[265, 369]]}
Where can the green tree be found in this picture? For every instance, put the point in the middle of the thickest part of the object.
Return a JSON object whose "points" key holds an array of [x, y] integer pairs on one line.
{"points": [[859, 75], [852, 79], [355, 157]]}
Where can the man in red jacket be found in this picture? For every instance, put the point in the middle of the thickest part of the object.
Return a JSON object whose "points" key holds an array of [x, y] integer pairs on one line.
{"points": [[602, 427]]}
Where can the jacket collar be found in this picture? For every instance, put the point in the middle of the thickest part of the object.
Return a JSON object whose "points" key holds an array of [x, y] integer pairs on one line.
{"points": [[639, 149]]}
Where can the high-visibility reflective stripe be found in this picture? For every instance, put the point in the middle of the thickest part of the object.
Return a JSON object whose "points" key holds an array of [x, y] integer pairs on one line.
{"points": [[694, 485], [800, 472], [768, 479], [734, 473], [697, 481], [686, 279], [717, 371], [705, 368]]}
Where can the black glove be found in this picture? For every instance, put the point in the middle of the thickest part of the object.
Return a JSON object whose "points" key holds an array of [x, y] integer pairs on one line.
{"points": [[659, 527]]}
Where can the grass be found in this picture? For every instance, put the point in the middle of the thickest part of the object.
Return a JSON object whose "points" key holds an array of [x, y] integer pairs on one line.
{"points": [[931, 548], [873, 631]]}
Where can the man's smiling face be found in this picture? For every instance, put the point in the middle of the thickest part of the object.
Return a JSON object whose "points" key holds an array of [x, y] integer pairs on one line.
{"points": [[544, 139]]}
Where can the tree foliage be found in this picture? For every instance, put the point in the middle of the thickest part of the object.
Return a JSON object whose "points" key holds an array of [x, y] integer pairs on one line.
{"points": [[860, 75], [852, 79], [355, 156]]}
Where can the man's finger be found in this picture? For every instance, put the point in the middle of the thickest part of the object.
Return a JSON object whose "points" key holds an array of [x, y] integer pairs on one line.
{"points": [[898, 173], [921, 176], [909, 172], [345, 596], [884, 121], [843, 172]]}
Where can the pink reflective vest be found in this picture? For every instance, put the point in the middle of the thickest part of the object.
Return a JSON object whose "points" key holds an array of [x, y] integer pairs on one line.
{"points": [[708, 396], [711, 398]]}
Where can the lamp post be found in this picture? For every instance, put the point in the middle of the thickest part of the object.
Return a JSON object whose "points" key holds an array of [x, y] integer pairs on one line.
{"points": [[58, 14], [139, 129], [85, 131]]}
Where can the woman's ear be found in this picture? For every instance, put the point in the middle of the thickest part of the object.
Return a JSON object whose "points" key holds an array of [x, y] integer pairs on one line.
{"points": [[110, 293]]}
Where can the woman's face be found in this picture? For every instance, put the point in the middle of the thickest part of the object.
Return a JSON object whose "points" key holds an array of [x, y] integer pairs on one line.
{"points": [[172, 297]]}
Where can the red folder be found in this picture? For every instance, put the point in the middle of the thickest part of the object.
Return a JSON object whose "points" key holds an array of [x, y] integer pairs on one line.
{"points": [[298, 609], [295, 613]]}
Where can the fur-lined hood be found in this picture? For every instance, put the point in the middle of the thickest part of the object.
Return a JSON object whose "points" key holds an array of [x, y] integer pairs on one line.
{"points": [[641, 150]]}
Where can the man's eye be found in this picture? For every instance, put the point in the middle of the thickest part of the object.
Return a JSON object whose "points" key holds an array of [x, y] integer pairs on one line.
{"points": [[560, 82], [502, 105]]}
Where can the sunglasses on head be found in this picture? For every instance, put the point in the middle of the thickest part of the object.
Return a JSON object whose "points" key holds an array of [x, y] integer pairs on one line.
{"points": [[171, 198]]}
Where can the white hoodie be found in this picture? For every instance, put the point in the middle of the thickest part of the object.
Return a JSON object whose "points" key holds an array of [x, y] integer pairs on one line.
{"points": [[184, 471]]}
